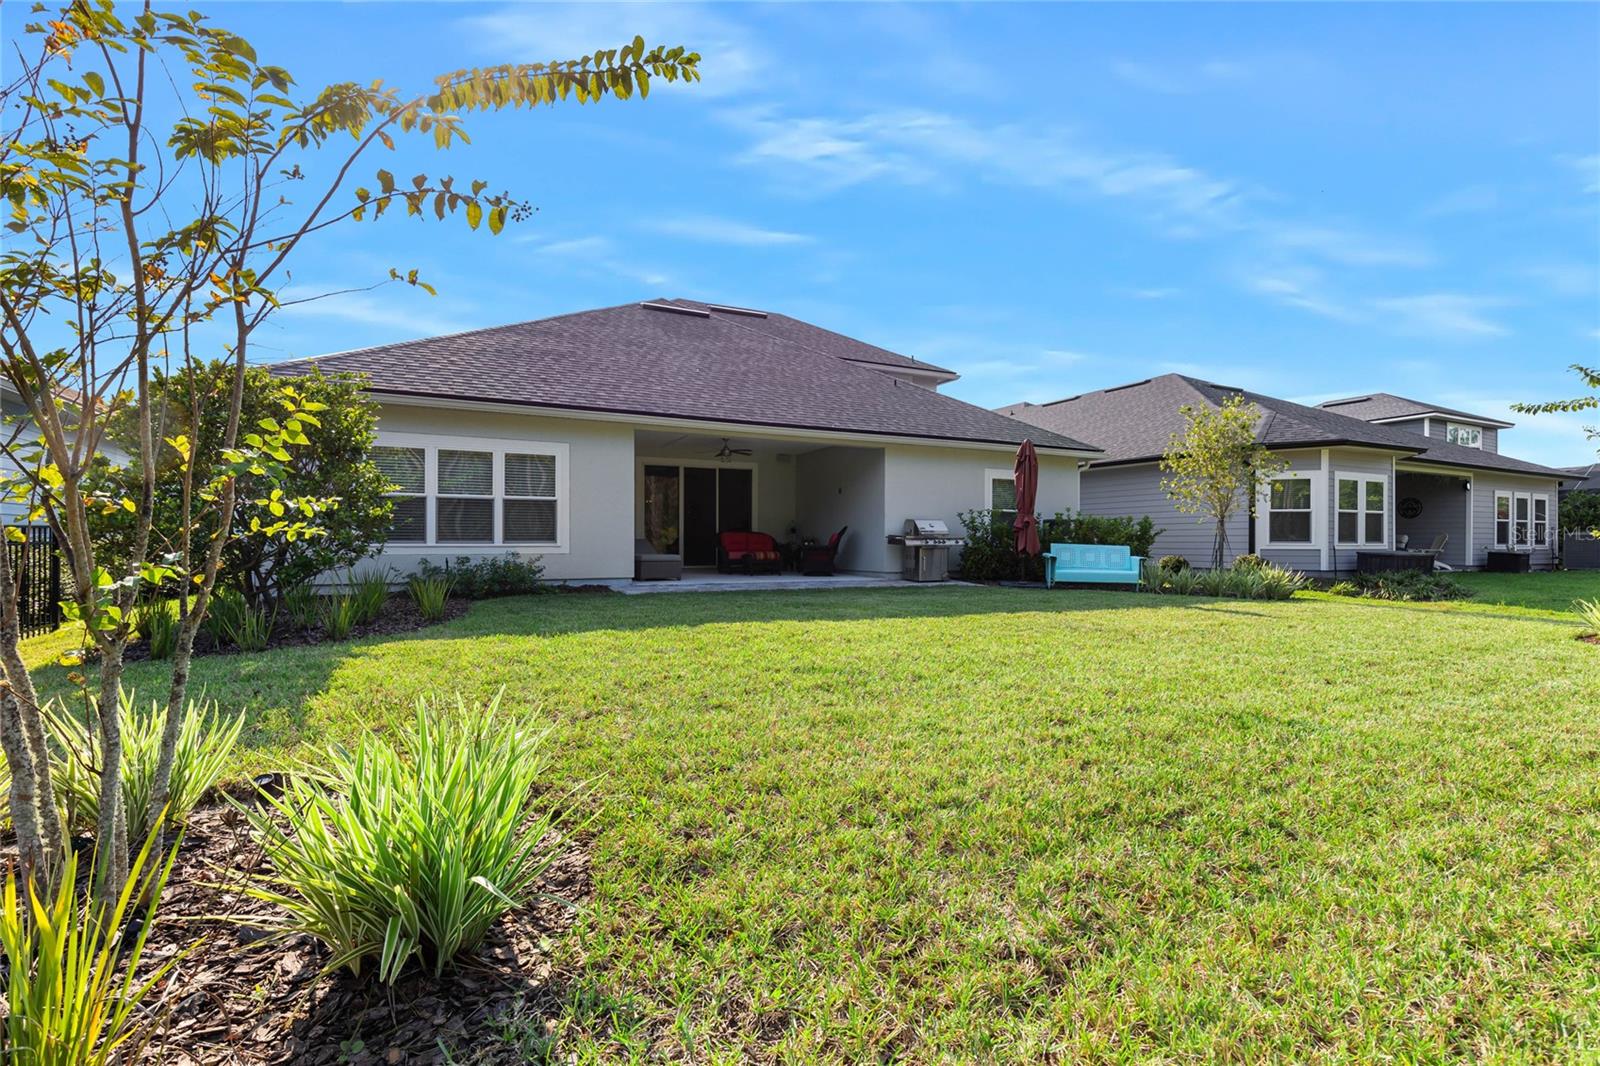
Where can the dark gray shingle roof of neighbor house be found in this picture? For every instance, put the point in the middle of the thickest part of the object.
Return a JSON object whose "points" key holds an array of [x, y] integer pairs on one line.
{"points": [[1134, 423], [1588, 477], [716, 367], [1387, 405]]}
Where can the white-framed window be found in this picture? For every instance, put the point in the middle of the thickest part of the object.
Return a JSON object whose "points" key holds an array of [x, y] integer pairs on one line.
{"points": [[1000, 491], [1362, 503], [1291, 509], [530, 508], [463, 507], [1541, 521], [1521, 514], [469, 491], [1464, 435], [1502, 520], [407, 469]]}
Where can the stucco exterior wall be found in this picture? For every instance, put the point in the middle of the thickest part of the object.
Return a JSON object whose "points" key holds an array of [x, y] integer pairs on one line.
{"points": [[923, 482], [844, 486], [599, 488]]}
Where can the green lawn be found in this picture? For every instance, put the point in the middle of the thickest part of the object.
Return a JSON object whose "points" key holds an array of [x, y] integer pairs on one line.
{"points": [[999, 824], [1551, 591]]}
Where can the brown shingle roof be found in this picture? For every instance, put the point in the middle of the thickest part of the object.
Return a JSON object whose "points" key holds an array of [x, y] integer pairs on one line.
{"points": [[716, 367], [1134, 423]]}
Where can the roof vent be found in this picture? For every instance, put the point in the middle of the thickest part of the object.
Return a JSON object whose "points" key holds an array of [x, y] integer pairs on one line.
{"points": [[1130, 385], [652, 305], [749, 312], [1341, 403]]}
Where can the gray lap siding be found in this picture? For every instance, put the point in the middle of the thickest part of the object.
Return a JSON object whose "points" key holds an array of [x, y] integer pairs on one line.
{"points": [[1135, 490]]}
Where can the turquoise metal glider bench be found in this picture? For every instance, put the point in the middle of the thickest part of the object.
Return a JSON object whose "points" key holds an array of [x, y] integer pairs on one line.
{"points": [[1108, 564]]}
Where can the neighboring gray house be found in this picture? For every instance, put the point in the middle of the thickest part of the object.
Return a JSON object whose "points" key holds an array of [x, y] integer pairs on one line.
{"points": [[1353, 482], [573, 438]]}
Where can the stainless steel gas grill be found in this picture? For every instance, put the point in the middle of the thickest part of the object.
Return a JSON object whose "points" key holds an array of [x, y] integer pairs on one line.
{"points": [[926, 555]]}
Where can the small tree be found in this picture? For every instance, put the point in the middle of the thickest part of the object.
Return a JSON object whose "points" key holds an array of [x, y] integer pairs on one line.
{"points": [[133, 247], [334, 465], [1591, 380], [1216, 465]]}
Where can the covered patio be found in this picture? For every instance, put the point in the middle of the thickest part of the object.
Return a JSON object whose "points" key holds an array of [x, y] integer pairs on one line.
{"points": [[691, 487], [1430, 505]]}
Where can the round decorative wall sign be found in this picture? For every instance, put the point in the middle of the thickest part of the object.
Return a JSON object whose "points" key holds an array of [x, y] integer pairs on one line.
{"points": [[1410, 507]]}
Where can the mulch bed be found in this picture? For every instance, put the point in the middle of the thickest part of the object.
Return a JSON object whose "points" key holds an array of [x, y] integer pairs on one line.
{"points": [[237, 999]]}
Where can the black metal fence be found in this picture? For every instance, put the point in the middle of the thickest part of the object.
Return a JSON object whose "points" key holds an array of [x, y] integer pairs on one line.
{"points": [[36, 565]]}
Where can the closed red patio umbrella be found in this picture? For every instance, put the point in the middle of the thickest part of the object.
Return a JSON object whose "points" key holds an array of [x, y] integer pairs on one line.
{"points": [[1026, 475]]}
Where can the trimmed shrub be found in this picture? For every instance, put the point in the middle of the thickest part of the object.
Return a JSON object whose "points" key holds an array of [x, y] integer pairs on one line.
{"points": [[990, 553], [1580, 512], [1171, 563], [1416, 586], [205, 742], [1249, 561], [409, 849], [1264, 582], [482, 579]]}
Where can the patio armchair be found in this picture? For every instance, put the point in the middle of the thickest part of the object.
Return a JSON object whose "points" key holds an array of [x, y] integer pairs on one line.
{"points": [[816, 560], [1436, 549]]}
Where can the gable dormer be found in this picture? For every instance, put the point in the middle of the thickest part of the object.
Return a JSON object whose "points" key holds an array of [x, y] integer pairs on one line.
{"points": [[1430, 420]]}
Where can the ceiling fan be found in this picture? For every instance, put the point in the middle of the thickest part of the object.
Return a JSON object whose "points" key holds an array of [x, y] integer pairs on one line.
{"points": [[725, 454]]}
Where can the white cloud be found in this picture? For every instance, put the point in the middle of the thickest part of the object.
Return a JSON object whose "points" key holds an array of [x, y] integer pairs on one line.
{"points": [[1566, 278], [1151, 293], [713, 230], [920, 147], [1347, 246], [1472, 199], [1180, 79], [1302, 289], [1444, 315], [601, 255], [733, 62], [1588, 168], [407, 315]]}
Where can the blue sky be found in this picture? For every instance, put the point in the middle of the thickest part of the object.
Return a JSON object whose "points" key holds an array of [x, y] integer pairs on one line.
{"points": [[1306, 200]]}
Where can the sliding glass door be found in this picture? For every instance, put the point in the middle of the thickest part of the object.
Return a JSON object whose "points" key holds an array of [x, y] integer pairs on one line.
{"points": [[685, 507]]}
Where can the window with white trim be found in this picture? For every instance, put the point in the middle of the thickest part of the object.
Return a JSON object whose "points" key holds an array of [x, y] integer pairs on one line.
{"points": [[529, 515], [1290, 510], [1502, 520], [463, 509], [1002, 492], [1521, 510], [470, 491], [1541, 521], [1464, 435], [407, 471], [1362, 505]]}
